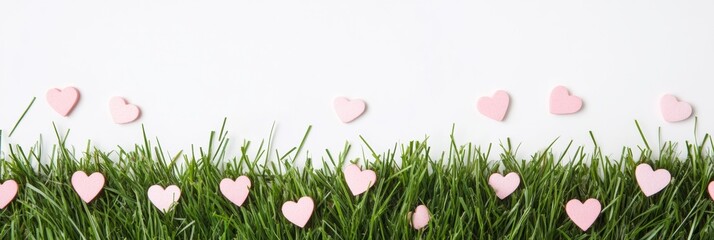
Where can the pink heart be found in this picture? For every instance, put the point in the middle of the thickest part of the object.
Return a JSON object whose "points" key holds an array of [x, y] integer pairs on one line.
{"points": [[494, 107], [349, 110], [236, 191], [583, 214], [63, 101], [357, 180], [299, 212], [673, 110], [504, 186], [87, 187], [710, 189], [651, 181], [8, 191], [561, 102], [420, 218], [122, 111], [162, 198]]}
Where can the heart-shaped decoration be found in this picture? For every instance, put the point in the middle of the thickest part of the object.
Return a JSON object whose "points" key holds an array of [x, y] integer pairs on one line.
{"points": [[235, 191], [349, 110], [504, 186], [63, 101], [357, 180], [710, 189], [583, 214], [8, 192], [87, 187], [561, 102], [494, 107], [651, 181], [164, 199], [299, 212], [674, 110], [123, 112], [420, 217]]}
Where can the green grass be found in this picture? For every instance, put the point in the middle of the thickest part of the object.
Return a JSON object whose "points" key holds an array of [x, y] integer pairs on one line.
{"points": [[453, 186]]}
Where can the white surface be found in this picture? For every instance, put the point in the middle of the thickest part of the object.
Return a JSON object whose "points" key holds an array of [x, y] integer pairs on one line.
{"points": [[420, 65]]}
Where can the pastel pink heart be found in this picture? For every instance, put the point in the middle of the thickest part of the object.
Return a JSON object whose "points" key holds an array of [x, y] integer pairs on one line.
{"points": [[164, 199], [235, 190], [63, 101], [494, 107], [87, 187], [504, 186], [583, 214], [349, 110], [674, 110], [420, 217], [122, 111], [561, 102], [8, 192], [710, 189], [357, 180], [299, 212], [651, 181]]}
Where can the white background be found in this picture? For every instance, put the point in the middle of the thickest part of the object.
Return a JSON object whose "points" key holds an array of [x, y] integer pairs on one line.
{"points": [[420, 65]]}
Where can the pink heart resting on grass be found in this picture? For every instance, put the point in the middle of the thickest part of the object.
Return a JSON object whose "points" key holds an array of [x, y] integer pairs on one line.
{"points": [[349, 110], [494, 107], [583, 214], [651, 181], [674, 110], [561, 102], [87, 187], [123, 112], [162, 198], [235, 191], [298, 212], [504, 186], [8, 192], [63, 101], [420, 218], [357, 180], [710, 189]]}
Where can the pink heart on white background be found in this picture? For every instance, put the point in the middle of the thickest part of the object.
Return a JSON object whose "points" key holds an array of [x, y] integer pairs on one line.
{"points": [[494, 107], [63, 101], [674, 110], [349, 110], [561, 102], [87, 187], [420, 217], [8, 192], [299, 212], [122, 111], [710, 189], [164, 199], [651, 181], [504, 186], [235, 191], [583, 214], [357, 180]]}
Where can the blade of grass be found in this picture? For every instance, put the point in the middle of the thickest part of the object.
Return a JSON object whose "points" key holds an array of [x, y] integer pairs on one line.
{"points": [[17, 123]]}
